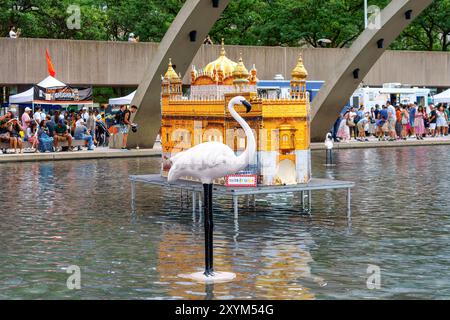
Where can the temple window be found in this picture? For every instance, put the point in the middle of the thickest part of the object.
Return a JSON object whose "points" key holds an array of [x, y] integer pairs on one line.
{"points": [[241, 143]]}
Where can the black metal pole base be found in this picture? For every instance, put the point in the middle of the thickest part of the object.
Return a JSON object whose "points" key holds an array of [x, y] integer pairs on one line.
{"points": [[329, 157], [209, 225]]}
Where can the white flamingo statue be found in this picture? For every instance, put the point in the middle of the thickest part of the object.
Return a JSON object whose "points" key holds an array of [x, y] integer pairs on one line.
{"points": [[329, 141], [329, 149], [211, 160]]}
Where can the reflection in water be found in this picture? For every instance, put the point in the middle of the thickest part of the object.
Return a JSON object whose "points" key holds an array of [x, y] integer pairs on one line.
{"points": [[57, 214], [182, 252], [285, 272], [209, 289]]}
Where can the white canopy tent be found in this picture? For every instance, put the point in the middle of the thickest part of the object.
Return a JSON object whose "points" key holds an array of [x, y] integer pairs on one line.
{"points": [[28, 96], [122, 100], [443, 97]]}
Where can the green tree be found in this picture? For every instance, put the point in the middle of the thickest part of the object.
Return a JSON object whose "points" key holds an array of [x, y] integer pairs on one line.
{"points": [[430, 31], [298, 23], [245, 22], [241, 21], [48, 18], [148, 19]]}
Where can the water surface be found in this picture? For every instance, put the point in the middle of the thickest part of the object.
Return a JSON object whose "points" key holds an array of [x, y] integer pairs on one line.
{"points": [[57, 214]]}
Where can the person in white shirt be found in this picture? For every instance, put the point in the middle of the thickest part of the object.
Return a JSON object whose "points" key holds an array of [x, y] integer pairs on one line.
{"points": [[80, 122], [43, 115], [85, 114], [12, 33], [131, 38], [37, 115]]}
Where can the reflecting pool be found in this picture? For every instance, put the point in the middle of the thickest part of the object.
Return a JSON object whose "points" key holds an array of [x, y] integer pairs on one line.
{"points": [[58, 214]]}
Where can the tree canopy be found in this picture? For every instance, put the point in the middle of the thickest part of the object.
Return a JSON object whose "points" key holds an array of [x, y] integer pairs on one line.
{"points": [[245, 22]]}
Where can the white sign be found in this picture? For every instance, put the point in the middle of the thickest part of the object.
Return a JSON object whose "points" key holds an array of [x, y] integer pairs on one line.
{"points": [[241, 180]]}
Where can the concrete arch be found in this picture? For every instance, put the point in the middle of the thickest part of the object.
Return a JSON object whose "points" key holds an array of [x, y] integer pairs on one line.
{"points": [[193, 22], [363, 54], [200, 16]]}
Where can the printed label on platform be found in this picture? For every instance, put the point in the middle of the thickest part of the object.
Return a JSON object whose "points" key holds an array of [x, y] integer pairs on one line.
{"points": [[241, 180]]}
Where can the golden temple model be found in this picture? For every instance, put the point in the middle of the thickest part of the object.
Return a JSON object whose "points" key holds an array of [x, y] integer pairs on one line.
{"points": [[281, 126]]}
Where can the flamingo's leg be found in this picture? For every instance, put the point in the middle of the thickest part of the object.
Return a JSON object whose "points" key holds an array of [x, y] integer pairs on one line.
{"points": [[209, 225]]}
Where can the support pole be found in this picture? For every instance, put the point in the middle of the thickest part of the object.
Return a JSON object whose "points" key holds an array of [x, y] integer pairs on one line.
{"points": [[236, 206], [302, 200], [349, 205], [133, 195], [329, 157], [366, 18], [209, 225], [181, 199], [309, 200], [194, 203]]}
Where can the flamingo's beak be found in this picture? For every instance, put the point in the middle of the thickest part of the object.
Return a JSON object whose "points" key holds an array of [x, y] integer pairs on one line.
{"points": [[247, 105]]}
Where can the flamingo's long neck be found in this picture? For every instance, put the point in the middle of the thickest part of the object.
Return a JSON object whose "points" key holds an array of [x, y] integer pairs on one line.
{"points": [[250, 150]]}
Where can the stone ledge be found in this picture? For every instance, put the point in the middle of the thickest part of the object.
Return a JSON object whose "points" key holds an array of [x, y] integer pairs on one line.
{"points": [[100, 153], [383, 144]]}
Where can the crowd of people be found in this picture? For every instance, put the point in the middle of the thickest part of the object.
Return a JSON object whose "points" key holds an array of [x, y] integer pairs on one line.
{"points": [[44, 132], [392, 123]]}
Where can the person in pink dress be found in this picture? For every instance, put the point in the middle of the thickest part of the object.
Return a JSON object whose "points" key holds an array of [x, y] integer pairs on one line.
{"points": [[419, 125], [344, 130]]}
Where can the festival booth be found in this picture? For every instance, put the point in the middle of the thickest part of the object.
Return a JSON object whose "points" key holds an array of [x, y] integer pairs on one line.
{"points": [[122, 100], [51, 92], [114, 106], [115, 141], [443, 97]]}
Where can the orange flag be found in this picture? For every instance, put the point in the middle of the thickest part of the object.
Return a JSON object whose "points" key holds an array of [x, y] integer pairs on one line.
{"points": [[51, 69]]}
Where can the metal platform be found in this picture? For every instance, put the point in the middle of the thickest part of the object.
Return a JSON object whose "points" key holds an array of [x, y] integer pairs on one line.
{"points": [[235, 192]]}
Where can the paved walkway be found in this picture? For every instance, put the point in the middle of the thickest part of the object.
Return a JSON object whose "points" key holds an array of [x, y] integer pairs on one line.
{"points": [[98, 153], [106, 153], [374, 143]]}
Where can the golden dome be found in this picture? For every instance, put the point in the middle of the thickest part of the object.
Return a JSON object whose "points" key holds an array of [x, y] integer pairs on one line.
{"points": [[299, 72], [240, 72], [171, 74], [222, 63]]}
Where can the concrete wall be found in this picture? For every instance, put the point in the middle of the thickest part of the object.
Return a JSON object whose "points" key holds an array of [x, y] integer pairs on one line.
{"points": [[102, 63]]}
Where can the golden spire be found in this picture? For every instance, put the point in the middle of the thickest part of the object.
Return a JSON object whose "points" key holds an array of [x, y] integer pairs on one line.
{"points": [[171, 74], [299, 72], [240, 72], [193, 74], [222, 50]]}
